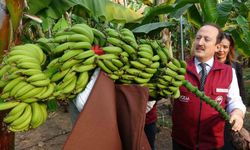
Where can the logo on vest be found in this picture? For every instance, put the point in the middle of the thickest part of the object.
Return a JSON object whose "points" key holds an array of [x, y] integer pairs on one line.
{"points": [[184, 98], [219, 99]]}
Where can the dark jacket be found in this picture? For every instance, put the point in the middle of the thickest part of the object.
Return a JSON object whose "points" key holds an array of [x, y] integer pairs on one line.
{"points": [[195, 123], [239, 75]]}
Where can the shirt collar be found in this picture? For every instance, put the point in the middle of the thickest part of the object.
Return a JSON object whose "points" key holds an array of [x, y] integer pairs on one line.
{"points": [[209, 64]]}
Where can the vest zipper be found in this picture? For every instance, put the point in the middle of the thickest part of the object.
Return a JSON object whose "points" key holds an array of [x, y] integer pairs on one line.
{"points": [[198, 130]]}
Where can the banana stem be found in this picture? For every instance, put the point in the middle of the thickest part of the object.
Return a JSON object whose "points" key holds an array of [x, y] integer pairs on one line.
{"points": [[206, 99]]}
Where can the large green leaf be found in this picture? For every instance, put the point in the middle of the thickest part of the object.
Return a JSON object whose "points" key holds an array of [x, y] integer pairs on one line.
{"points": [[104, 9], [36, 5], [194, 17], [224, 10], [152, 26], [165, 9], [209, 10], [241, 46], [15, 9]]}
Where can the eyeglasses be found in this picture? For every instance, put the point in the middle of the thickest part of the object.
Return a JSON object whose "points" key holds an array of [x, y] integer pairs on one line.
{"points": [[227, 34]]}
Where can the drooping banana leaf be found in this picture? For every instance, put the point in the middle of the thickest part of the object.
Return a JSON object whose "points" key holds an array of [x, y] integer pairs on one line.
{"points": [[209, 10], [241, 46], [224, 10], [15, 9], [151, 27], [165, 9], [105, 9], [194, 17]]}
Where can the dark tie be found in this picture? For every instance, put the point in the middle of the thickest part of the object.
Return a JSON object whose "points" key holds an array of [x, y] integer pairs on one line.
{"points": [[203, 74]]}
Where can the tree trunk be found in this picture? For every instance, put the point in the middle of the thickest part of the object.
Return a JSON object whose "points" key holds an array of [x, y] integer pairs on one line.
{"points": [[7, 138]]}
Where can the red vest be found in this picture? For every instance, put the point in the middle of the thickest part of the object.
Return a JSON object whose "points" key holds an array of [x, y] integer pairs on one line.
{"points": [[195, 123]]}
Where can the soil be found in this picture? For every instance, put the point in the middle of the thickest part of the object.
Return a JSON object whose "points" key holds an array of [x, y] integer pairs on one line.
{"points": [[53, 134]]}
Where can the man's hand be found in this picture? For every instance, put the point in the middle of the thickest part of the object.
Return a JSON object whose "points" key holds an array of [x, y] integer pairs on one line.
{"points": [[236, 119]]}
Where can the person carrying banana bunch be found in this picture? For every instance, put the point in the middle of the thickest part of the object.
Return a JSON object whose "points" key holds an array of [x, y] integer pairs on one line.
{"points": [[196, 125]]}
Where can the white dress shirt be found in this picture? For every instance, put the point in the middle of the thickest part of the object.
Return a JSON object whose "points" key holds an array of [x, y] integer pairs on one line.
{"points": [[233, 95]]}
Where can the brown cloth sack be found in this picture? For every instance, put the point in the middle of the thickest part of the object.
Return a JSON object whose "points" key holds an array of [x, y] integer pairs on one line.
{"points": [[112, 119], [241, 139]]}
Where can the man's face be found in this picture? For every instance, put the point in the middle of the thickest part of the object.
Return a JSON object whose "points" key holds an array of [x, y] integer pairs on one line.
{"points": [[205, 43]]}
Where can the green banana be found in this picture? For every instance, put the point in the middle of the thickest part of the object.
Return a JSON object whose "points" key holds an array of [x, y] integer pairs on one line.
{"points": [[69, 54], [170, 72], [112, 33], [150, 70], [83, 29], [48, 92], [107, 56], [23, 90], [17, 87], [25, 115], [182, 71], [85, 54], [31, 93], [155, 65], [141, 80], [146, 48], [183, 64], [103, 66], [81, 45], [71, 38], [90, 60], [29, 65], [155, 58], [84, 68], [110, 65], [138, 65], [59, 75], [176, 62], [8, 105], [39, 83], [82, 80], [37, 118], [15, 112], [54, 62], [37, 77], [11, 84], [69, 64], [176, 83], [115, 41], [112, 50], [117, 63], [98, 33], [172, 66], [145, 61], [71, 86]]}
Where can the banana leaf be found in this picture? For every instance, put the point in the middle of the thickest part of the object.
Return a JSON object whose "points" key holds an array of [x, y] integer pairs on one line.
{"points": [[194, 17], [165, 9], [224, 10], [15, 9], [105, 9], [209, 10], [241, 46], [152, 26]]}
